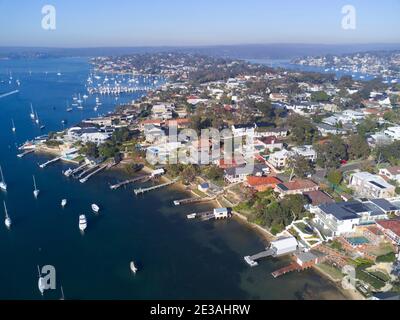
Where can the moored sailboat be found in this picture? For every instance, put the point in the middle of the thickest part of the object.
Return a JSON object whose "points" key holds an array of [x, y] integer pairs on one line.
{"points": [[36, 191], [7, 220], [3, 184]]}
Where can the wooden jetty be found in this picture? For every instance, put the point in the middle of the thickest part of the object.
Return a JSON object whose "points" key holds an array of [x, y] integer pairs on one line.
{"points": [[290, 268], [192, 200], [144, 190], [44, 165], [126, 182], [252, 260], [80, 168], [23, 154], [100, 168]]}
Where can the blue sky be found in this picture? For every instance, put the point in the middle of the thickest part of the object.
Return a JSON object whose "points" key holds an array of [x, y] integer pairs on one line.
{"points": [[90, 23]]}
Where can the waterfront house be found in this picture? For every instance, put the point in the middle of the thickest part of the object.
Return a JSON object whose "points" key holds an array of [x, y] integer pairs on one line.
{"points": [[344, 217], [221, 213], [371, 186], [240, 173], [203, 187]]}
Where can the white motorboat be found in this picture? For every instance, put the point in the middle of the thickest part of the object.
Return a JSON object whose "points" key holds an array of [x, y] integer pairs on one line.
{"points": [[36, 191], [63, 203], [3, 184], [133, 267], [13, 126], [68, 172], [95, 208], [82, 223], [7, 220]]}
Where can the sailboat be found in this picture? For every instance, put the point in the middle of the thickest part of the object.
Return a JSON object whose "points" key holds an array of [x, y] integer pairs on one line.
{"points": [[36, 191], [133, 267], [3, 184], [69, 109], [13, 126], [41, 282], [32, 115], [63, 203], [37, 118], [7, 220]]}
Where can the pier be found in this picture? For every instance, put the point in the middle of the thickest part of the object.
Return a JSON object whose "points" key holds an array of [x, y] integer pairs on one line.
{"points": [[99, 169], [252, 261], [126, 182], [144, 190], [290, 268], [80, 168], [192, 200], [44, 165], [23, 154]]}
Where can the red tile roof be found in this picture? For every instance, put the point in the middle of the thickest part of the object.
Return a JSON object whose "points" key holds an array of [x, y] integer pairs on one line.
{"points": [[299, 184], [262, 181], [392, 225]]}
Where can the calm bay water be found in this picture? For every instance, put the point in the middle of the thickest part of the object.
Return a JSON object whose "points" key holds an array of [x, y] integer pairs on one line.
{"points": [[177, 259]]}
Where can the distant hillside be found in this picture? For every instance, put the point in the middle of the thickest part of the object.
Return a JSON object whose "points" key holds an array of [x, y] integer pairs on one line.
{"points": [[267, 51]]}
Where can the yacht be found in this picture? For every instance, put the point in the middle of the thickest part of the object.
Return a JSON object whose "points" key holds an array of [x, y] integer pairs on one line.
{"points": [[36, 118], [82, 223], [95, 208], [32, 114], [134, 269], [36, 191], [13, 126], [63, 203], [41, 283], [7, 220], [3, 184]]}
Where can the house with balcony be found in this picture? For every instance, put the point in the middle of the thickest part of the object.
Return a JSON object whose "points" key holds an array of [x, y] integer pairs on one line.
{"points": [[392, 173], [371, 186]]}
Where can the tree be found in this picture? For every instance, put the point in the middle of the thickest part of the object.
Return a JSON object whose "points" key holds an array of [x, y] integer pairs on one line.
{"points": [[331, 153], [189, 173], [358, 147], [335, 177], [320, 96], [90, 150], [108, 150], [302, 167], [367, 126], [302, 130]]}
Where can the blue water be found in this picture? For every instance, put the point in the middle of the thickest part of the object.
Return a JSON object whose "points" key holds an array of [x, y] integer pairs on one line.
{"points": [[177, 259]]}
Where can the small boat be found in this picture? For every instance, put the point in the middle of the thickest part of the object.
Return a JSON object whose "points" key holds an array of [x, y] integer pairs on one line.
{"points": [[36, 191], [95, 208], [42, 127], [58, 73], [133, 267], [63, 203], [69, 109], [68, 172], [3, 184], [13, 126], [82, 223], [7, 220], [37, 118], [41, 283]]}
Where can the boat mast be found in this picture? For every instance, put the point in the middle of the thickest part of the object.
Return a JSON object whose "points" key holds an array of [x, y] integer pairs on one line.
{"points": [[1, 174], [34, 183], [5, 209]]}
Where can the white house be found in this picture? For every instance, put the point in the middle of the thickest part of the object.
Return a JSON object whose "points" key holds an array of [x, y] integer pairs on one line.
{"points": [[307, 152], [279, 159], [371, 186], [392, 173], [344, 217], [95, 137], [393, 133]]}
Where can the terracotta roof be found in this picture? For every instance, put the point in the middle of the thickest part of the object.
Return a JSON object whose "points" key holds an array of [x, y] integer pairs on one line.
{"points": [[394, 170], [262, 181], [392, 225], [270, 140]]}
